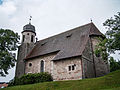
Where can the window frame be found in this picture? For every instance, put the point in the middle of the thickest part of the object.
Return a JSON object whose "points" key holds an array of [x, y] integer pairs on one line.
{"points": [[71, 67]]}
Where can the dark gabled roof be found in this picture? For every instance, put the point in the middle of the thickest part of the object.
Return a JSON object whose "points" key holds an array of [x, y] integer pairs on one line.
{"points": [[68, 44]]}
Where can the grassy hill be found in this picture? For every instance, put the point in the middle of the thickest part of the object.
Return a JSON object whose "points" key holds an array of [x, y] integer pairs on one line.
{"points": [[108, 82]]}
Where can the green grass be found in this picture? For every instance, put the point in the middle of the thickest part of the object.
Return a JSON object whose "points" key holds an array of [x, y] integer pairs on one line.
{"points": [[108, 82]]}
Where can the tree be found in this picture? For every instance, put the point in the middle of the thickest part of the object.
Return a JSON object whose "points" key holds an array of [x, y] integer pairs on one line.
{"points": [[113, 33], [113, 64], [111, 42], [8, 44]]}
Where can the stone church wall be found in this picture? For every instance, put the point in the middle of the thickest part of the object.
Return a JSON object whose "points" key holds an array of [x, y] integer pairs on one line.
{"points": [[58, 69], [27, 38], [61, 69], [87, 61], [35, 67], [23, 50], [102, 67]]}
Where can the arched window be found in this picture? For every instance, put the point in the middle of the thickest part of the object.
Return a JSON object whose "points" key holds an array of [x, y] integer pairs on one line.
{"points": [[23, 38], [42, 66]]}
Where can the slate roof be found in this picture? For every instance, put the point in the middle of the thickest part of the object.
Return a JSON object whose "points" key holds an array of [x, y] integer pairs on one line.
{"points": [[68, 44]]}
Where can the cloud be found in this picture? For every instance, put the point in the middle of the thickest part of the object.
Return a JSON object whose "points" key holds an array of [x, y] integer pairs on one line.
{"points": [[8, 8]]}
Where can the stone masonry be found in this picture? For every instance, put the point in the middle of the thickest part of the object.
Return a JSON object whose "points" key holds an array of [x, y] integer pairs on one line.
{"points": [[58, 69]]}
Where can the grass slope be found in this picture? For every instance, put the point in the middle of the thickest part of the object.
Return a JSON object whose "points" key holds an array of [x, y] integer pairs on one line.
{"points": [[108, 82]]}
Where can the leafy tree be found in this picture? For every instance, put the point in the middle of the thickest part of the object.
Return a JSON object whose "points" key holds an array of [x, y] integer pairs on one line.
{"points": [[8, 44], [101, 49], [113, 64], [113, 33], [111, 43]]}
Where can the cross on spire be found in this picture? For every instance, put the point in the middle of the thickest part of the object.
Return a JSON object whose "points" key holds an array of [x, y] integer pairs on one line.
{"points": [[30, 19]]}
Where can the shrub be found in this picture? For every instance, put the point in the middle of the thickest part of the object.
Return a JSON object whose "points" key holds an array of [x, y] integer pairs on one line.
{"points": [[31, 78]]}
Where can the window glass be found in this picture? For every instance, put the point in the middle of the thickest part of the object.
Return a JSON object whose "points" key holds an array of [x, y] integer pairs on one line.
{"points": [[42, 66], [73, 67], [30, 64], [69, 67]]}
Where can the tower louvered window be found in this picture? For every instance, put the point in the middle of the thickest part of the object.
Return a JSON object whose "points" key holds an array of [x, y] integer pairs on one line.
{"points": [[32, 38], [23, 38]]}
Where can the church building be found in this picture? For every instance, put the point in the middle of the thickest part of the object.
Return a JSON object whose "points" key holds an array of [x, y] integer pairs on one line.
{"points": [[66, 56]]}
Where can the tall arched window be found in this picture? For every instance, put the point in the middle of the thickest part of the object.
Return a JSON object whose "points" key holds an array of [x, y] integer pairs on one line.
{"points": [[42, 66], [23, 38]]}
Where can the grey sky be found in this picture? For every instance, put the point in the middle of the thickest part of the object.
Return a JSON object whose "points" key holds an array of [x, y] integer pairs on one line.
{"points": [[51, 17]]}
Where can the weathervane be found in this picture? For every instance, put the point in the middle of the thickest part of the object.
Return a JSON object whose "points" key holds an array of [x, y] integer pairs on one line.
{"points": [[30, 19]]}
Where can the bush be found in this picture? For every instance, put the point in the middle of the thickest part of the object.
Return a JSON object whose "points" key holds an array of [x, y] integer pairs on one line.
{"points": [[31, 78]]}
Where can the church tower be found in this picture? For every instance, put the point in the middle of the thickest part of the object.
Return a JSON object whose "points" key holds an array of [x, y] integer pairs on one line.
{"points": [[27, 44], [28, 34]]}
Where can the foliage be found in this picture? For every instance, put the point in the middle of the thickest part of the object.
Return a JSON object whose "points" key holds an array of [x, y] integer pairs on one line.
{"points": [[101, 49], [111, 43], [113, 33], [31, 78], [107, 82], [114, 65], [8, 43]]}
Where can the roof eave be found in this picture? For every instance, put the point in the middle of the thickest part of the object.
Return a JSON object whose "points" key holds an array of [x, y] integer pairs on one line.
{"points": [[66, 58]]}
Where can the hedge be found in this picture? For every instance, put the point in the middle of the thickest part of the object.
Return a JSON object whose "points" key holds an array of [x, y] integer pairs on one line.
{"points": [[31, 79]]}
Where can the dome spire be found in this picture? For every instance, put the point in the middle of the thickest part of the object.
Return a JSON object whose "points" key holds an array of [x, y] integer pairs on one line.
{"points": [[29, 27], [30, 19]]}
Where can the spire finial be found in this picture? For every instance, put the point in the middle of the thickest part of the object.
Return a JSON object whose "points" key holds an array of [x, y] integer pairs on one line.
{"points": [[91, 20], [30, 19]]}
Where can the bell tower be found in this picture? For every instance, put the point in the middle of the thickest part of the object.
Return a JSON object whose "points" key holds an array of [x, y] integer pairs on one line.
{"points": [[27, 44], [28, 33]]}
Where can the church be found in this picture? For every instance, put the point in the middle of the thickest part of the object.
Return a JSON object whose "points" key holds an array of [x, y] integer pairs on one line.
{"points": [[66, 56]]}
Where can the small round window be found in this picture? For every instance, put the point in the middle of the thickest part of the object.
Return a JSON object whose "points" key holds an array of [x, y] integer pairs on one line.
{"points": [[30, 64]]}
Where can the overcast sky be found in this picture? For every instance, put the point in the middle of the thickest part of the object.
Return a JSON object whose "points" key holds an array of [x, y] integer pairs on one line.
{"points": [[52, 17]]}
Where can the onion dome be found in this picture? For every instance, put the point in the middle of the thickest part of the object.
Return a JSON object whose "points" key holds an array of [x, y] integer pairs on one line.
{"points": [[29, 27]]}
